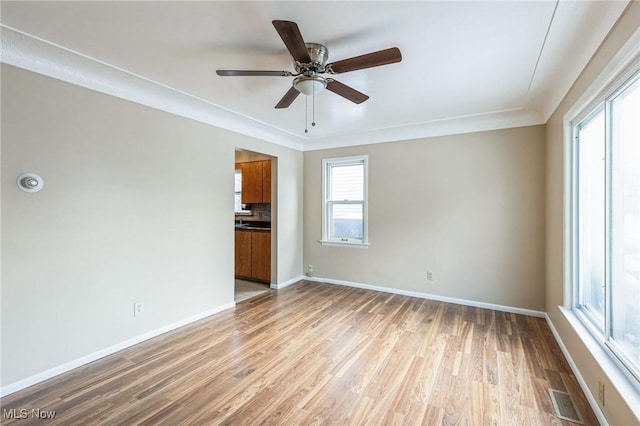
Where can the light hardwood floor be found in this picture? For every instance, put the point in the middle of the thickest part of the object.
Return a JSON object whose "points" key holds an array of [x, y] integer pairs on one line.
{"points": [[323, 354]]}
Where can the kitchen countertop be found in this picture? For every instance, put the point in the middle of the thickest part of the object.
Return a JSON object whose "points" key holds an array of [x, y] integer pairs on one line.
{"points": [[254, 226]]}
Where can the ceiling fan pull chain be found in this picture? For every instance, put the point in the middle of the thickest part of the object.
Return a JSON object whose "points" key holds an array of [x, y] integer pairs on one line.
{"points": [[313, 119], [306, 114]]}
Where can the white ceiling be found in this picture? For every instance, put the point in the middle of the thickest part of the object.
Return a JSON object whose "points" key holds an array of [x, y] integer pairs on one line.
{"points": [[467, 66]]}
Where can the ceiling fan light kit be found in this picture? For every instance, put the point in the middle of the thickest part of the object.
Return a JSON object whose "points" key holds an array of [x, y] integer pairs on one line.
{"points": [[309, 85], [309, 60]]}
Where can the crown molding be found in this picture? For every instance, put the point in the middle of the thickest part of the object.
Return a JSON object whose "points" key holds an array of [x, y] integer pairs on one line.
{"points": [[31, 53], [443, 127], [40, 56]]}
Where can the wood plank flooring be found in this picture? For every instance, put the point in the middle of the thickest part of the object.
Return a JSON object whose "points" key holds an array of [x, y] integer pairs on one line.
{"points": [[322, 354]]}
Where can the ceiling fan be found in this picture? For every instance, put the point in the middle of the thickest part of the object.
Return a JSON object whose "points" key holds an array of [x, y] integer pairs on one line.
{"points": [[310, 60]]}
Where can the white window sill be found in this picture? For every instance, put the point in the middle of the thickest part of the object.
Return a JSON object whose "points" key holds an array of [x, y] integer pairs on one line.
{"points": [[341, 244], [617, 374]]}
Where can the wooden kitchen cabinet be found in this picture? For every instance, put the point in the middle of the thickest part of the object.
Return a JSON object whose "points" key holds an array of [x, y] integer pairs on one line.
{"points": [[266, 181], [243, 253], [261, 255], [253, 255], [256, 181], [251, 182]]}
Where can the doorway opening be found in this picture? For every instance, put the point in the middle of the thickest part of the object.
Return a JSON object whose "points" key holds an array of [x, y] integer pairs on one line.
{"points": [[254, 213]]}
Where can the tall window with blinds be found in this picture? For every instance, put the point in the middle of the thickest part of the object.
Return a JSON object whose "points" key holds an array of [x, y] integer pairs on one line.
{"points": [[344, 215]]}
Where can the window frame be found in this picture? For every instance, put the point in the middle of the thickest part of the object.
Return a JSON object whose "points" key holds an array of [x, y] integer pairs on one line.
{"points": [[594, 323], [327, 164], [610, 86], [241, 212]]}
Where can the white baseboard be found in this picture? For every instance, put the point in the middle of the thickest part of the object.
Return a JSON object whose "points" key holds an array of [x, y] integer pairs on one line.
{"points": [[465, 302], [279, 286], [45, 375], [583, 384]]}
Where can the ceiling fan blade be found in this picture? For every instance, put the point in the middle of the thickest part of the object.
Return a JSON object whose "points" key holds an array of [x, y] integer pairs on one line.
{"points": [[374, 59], [246, 73], [288, 98], [290, 34], [346, 92]]}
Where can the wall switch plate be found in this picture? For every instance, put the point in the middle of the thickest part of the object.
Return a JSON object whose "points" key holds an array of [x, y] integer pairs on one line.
{"points": [[138, 308]]}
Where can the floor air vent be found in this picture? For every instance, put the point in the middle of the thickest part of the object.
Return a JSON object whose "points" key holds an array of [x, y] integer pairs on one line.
{"points": [[564, 407]]}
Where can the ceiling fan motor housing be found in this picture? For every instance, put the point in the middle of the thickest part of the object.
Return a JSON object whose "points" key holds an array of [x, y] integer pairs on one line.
{"points": [[319, 55]]}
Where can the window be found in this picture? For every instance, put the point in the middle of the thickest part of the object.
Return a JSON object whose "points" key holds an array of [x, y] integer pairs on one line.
{"points": [[344, 212], [238, 206], [606, 220], [591, 205]]}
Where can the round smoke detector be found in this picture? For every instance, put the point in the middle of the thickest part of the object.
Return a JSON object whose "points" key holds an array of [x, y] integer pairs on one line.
{"points": [[30, 182]]}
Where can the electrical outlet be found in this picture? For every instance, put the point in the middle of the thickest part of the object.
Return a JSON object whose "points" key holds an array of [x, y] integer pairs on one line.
{"points": [[601, 392], [138, 308], [429, 276], [309, 270]]}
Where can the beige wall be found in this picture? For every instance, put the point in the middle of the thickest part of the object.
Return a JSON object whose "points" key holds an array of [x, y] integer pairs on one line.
{"points": [[137, 206], [468, 207], [616, 410], [121, 220]]}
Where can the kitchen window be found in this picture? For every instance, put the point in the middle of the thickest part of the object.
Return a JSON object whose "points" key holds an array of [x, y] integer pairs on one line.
{"points": [[238, 207], [605, 220], [344, 199]]}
